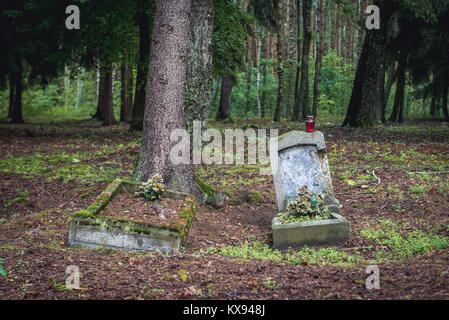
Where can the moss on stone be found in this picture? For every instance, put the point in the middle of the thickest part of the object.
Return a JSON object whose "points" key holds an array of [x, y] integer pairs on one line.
{"points": [[205, 188]]}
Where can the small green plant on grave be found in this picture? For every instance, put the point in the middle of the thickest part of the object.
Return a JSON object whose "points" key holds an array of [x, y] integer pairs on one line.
{"points": [[152, 189], [305, 207]]}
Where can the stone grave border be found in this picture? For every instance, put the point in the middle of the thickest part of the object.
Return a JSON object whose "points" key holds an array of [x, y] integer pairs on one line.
{"points": [[90, 230]]}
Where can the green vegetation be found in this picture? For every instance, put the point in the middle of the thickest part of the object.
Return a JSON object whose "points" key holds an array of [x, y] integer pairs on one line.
{"points": [[402, 244], [258, 250], [305, 207]]}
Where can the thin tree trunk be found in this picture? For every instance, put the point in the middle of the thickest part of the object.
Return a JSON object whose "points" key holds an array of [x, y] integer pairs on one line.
{"points": [[399, 97], [123, 90], [12, 91], [318, 60], [80, 88], [129, 92], [213, 98], [434, 99], [292, 58], [339, 31], [280, 68], [100, 114], [444, 100], [165, 99], [296, 110], [335, 28], [266, 51], [223, 108], [351, 40], [16, 115], [109, 118], [391, 76], [142, 67], [304, 84], [259, 55]]}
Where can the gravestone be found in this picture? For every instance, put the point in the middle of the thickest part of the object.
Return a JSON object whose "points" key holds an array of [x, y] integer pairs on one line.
{"points": [[302, 161]]}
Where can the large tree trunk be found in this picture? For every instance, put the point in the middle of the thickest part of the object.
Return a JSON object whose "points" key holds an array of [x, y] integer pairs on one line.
{"points": [[319, 55], [144, 23], [199, 66], [280, 68], [164, 107], [366, 91], [226, 89], [303, 99], [16, 115], [109, 118]]}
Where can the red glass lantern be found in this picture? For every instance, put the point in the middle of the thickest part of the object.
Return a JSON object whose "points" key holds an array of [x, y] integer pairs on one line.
{"points": [[310, 123]]}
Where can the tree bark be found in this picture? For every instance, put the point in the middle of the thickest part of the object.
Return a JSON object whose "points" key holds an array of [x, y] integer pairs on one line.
{"points": [[319, 55], [366, 93], [296, 110], [223, 108], [213, 98], [291, 57], [444, 99], [123, 90], [12, 91], [339, 30], [399, 97], [259, 55], [80, 88], [109, 118], [129, 92], [144, 23], [199, 66], [164, 105], [280, 68], [100, 113], [391, 77]]}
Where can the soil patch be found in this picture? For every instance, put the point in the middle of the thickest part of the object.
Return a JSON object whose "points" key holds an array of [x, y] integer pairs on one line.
{"points": [[162, 212]]}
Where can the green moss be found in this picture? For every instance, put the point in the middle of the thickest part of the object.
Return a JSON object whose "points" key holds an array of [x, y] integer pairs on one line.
{"points": [[255, 197], [16, 201], [403, 244], [207, 189]]}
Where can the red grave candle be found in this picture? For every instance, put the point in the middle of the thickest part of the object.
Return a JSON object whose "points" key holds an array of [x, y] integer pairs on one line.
{"points": [[310, 123]]}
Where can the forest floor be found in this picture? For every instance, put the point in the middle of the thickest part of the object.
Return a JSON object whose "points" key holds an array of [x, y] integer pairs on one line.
{"points": [[392, 181]]}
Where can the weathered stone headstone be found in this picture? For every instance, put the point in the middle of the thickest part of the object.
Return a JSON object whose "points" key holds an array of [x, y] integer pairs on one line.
{"points": [[302, 161]]}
